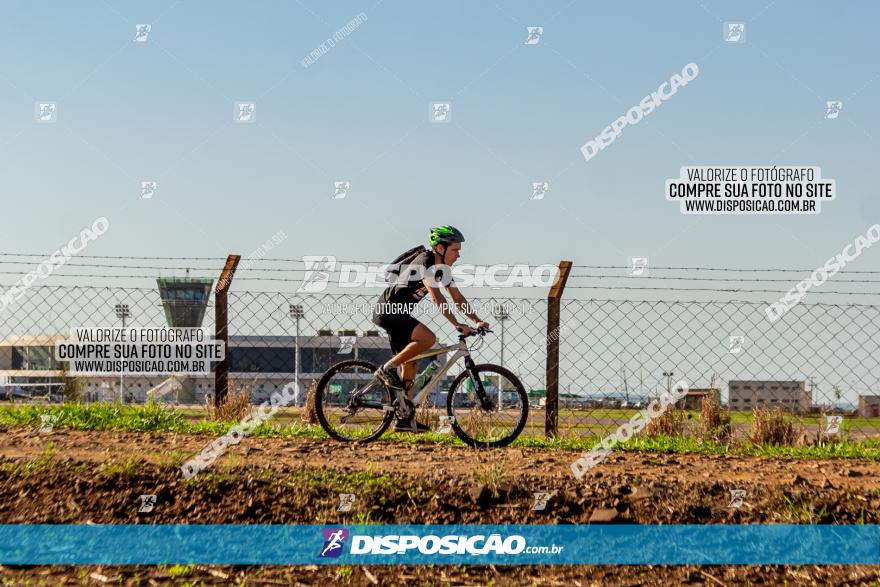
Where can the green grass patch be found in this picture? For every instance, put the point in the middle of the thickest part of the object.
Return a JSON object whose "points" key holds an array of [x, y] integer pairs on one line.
{"points": [[98, 416], [362, 518], [141, 418], [25, 469], [177, 571], [156, 419], [357, 482], [213, 481], [120, 469], [367, 486], [868, 449], [584, 417], [170, 459], [801, 511]]}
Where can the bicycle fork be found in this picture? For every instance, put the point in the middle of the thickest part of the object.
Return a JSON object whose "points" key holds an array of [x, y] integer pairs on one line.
{"points": [[485, 401]]}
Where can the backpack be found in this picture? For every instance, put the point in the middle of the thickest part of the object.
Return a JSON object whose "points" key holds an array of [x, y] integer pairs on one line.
{"points": [[392, 271]]}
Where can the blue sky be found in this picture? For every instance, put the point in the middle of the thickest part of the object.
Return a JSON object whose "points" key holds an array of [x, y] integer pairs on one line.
{"points": [[163, 110]]}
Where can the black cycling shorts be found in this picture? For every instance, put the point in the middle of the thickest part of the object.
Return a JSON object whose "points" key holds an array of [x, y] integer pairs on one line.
{"points": [[399, 328]]}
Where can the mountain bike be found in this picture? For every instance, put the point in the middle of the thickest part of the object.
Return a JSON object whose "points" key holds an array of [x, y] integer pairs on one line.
{"points": [[486, 405]]}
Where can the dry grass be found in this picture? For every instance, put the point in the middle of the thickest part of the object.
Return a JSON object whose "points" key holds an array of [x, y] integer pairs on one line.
{"points": [[669, 423], [770, 427], [234, 407], [714, 422], [492, 476], [308, 415], [428, 414]]}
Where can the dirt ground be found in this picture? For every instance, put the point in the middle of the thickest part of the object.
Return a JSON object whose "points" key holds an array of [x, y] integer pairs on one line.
{"points": [[98, 477]]}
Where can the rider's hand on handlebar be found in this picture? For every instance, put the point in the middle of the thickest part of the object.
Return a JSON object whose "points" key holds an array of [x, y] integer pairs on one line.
{"points": [[463, 329], [482, 324]]}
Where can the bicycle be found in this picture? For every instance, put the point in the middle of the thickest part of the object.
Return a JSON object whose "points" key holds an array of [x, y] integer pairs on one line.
{"points": [[353, 405]]}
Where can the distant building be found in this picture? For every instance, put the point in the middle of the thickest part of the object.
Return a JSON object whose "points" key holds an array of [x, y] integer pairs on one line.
{"points": [[572, 400], [538, 399], [790, 396], [694, 398], [264, 363], [869, 406], [184, 300]]}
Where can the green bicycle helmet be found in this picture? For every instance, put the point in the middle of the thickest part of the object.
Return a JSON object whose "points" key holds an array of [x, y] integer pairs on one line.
{"points": [[445, 235]]}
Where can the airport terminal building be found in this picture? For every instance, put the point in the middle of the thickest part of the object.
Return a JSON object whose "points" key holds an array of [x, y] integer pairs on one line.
{"points": [[263, 363]]}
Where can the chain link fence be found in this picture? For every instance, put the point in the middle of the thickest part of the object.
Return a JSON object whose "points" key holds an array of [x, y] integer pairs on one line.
{"points": [[615, 355], [618, 355]]}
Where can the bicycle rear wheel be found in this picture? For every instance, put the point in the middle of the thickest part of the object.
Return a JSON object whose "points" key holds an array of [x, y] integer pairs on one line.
{"points": [[351, 404], [505, 418]]}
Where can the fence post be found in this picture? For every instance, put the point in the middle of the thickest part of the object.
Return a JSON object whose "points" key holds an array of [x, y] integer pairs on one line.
{"points": [[551, 409], [221, 328]]}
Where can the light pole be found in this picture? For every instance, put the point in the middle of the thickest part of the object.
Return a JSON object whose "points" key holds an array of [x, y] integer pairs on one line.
{"points": [[668, 375], [123, 312], [501, 314], [296, 312]]}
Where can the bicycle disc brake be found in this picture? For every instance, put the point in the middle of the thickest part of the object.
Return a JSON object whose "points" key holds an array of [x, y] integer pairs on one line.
{"points": [[485, 401]]}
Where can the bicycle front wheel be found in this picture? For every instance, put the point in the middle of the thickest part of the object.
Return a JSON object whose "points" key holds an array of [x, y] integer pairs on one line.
{"points": [[497, 424], [351, 404]]}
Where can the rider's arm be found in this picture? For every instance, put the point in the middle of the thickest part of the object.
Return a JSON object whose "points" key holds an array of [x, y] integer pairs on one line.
{"points": [[461, 304], [440, 301]]}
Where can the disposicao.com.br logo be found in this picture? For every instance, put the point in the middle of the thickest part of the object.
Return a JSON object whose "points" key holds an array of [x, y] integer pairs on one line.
{"points": [[319, 268], [454, 544], [334, 542]]}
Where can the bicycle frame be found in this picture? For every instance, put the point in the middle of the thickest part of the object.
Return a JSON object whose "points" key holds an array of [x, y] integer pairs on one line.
{"points": [[461, 351], [393, 401]]}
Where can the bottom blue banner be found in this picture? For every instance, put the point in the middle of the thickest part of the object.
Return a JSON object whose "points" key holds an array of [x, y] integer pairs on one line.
{"points": [[439, 544]]}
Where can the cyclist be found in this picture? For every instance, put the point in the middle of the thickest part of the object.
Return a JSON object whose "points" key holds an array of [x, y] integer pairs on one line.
{"points": [[409, 337]]}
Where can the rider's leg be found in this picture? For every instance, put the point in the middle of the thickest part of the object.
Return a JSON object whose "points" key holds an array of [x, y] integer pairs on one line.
{"points": [[421, 340], [408, 385], [416, 341], [408, 338]]}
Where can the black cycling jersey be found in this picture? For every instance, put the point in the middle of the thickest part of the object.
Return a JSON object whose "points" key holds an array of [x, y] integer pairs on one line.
{"points": [[409, 291]]}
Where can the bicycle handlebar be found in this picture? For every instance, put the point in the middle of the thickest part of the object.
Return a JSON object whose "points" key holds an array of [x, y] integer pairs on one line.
{"points": [[482, 331]]}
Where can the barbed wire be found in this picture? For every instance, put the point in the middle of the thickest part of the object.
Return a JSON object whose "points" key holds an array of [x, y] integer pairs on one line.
{"points": [[297, 296], [375, 262], [46, 255], [163, 267], [720, 290], [751, 279], [731, 269], [568, 287], [289, 270], [253, 270]]}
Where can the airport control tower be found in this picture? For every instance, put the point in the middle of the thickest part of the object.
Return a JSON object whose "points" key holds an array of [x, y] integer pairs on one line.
{"points": [[184, 300]]}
